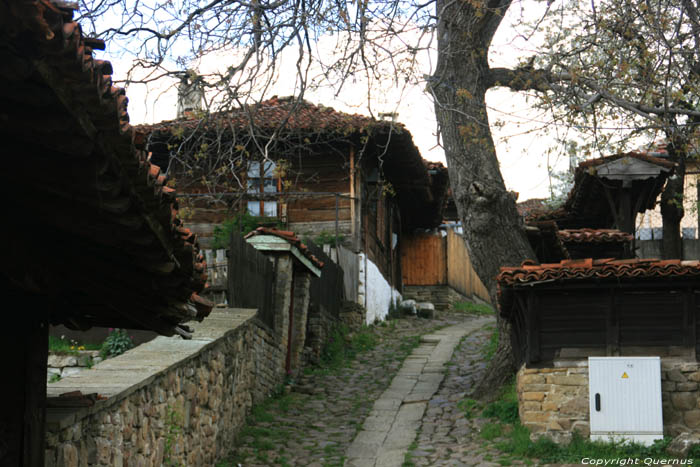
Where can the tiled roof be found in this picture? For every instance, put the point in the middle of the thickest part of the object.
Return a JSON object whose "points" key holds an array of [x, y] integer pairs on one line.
{"points": [[291, 238], [84, 176], [282, 112], [594, 236], [633, 154], [602, 269], [526, 206], [586, 204]]}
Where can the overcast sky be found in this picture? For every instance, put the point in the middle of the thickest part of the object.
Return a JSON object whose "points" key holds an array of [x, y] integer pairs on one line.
{"points": [[522, 155]]}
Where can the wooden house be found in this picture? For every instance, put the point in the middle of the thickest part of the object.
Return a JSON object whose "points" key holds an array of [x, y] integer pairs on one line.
{"points": [[94, 239], [598, 218], [307, 168]]}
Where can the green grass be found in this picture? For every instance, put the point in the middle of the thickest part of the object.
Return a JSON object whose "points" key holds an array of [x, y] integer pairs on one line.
{"points": [[468, 406], [408, 344], [58, 345], [473, 308], [514, 439], [408, 457], [342, 347], [491, 431], [518, 443], [505, 408]]}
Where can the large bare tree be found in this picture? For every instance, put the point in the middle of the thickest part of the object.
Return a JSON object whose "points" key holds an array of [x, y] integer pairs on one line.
{"points": [[581, 72]]}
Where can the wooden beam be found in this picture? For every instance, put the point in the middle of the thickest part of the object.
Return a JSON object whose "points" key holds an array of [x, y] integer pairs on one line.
{"points": [[353, 203], [24, 381]]}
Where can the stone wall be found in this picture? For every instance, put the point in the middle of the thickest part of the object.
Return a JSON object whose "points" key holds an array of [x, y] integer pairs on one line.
{"points": [[61, 365], [169, 401], [554, 401], [442, 296]]}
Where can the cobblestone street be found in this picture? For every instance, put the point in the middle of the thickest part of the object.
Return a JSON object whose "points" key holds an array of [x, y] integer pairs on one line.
{"points": [[316, 424]]}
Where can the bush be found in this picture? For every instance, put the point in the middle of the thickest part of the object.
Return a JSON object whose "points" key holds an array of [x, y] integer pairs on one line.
{"points": [[116, 343], [241, 224]]}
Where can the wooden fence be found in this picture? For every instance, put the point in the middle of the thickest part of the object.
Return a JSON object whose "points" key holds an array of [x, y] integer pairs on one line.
{"points": [[217, 275], [460, 273], [433, 259], [251, 279], [327, 291]]}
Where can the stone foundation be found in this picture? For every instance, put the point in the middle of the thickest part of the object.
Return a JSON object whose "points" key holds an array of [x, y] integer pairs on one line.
{"points": [[554, 401], [442, 296]]}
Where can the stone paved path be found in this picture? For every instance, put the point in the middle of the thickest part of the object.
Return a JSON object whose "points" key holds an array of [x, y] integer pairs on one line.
{"points": [[316, 423], [391, 426]]}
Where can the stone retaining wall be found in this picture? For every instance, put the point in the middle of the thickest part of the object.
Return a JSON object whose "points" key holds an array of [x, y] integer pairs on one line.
{"points": [[442, 296], [169, 401], [554, 401], [62, 365]]}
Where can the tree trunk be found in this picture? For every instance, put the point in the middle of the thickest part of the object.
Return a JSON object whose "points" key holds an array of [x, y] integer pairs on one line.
{"points": [[672, 210], [492, 227]]}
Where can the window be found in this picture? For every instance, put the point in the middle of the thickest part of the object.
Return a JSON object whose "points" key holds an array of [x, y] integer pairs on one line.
{"points": [[262, 179]]}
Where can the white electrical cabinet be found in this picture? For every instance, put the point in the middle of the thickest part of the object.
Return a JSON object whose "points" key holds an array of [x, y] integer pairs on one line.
{"points": [[625, 398]]}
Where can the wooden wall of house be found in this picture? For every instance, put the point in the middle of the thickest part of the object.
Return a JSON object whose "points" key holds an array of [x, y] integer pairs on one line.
{"points": [[616, 321], [379, 233], [319, 173]]}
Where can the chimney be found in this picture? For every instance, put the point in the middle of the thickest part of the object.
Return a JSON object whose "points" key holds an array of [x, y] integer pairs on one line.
{"points": [[190, 94]]}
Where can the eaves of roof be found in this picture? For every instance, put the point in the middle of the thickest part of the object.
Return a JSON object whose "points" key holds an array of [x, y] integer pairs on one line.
{"points": [[530, 273], [593, 236], [118, 253], [290, 238]]}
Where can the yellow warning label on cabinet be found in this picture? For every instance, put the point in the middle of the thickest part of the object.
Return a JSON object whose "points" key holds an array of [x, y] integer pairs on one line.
{"points": [[624, 375]]}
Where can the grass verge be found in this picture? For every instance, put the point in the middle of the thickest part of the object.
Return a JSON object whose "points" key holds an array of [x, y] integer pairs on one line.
{"points": [[511, 438], [473, 308]]}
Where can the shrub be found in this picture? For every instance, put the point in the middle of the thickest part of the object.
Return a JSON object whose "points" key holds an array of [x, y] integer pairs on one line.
{"points": [[241, 224], [116, 343]]}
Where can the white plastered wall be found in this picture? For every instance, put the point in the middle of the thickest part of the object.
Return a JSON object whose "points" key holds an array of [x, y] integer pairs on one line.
{"points": [[374, 293]]}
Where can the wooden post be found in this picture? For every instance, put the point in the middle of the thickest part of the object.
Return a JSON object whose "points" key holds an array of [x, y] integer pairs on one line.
{"points": [[290, 330], [353, 194], [22, 424]]}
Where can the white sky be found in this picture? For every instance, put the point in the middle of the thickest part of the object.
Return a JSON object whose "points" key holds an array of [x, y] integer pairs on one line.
{"points": [[522, 155]]}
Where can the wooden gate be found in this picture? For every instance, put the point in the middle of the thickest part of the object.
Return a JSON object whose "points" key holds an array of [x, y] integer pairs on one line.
{"points": [[424, 259]]}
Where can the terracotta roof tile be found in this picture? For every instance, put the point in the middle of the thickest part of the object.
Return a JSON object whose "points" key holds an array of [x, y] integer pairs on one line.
{"points": [[525, 207], [291, 238], [281, 112], [585, 269], [43, 31], [633, 154], [594, 236]]}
